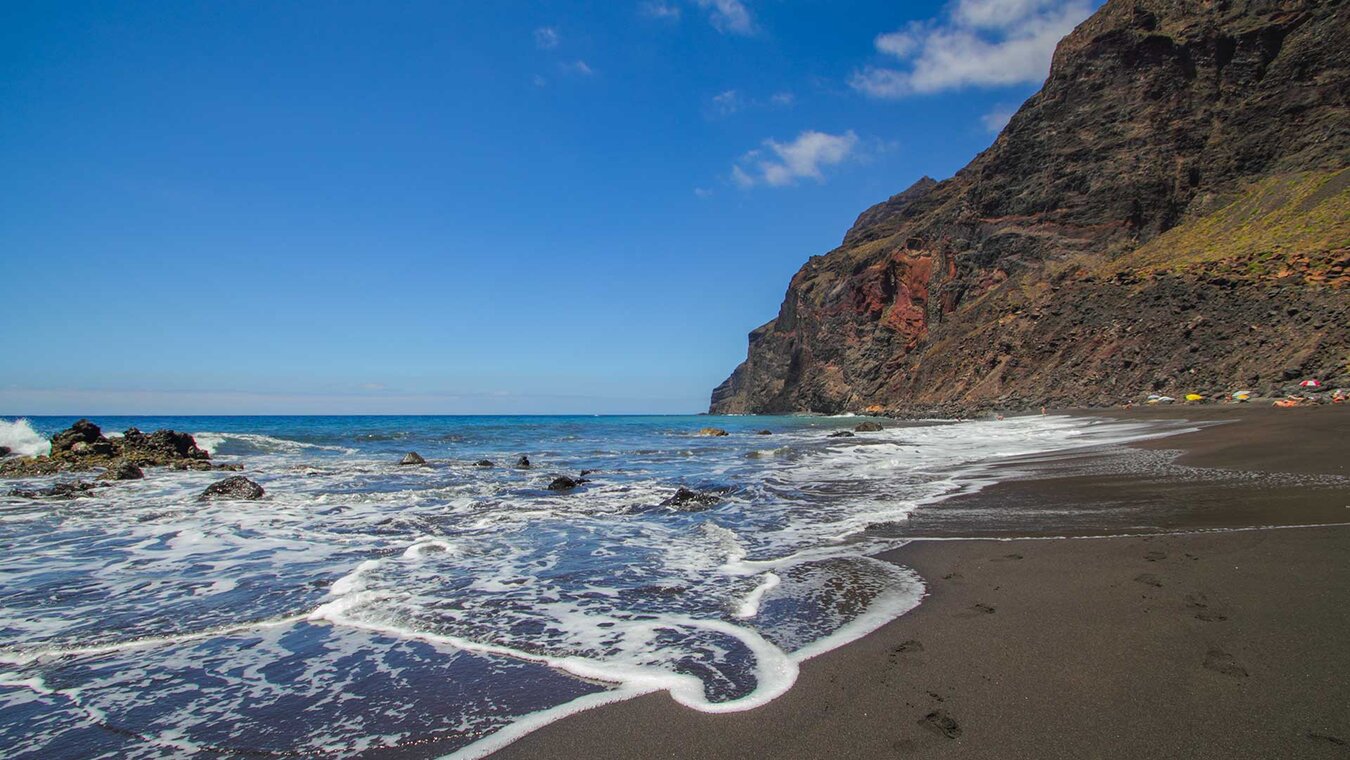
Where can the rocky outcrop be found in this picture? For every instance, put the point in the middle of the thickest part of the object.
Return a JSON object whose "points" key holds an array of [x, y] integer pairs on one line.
{"points": [[83, 446], [237, 487], [412, 458], [868, 427], [712, 432], [1170, 213]]}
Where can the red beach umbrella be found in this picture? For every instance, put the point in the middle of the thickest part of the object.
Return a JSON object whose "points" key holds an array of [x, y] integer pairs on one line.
{"points": [[1310, 384]]}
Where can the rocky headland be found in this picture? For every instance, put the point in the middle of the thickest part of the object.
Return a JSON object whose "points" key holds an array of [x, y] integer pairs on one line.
{"points": [[1169, 214]]}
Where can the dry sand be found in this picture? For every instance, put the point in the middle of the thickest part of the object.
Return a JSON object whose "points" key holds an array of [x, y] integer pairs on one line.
{"points": [[1179, 644]]}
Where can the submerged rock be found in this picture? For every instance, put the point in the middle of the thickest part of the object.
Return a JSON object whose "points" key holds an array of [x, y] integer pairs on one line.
{"points": [[840, 434], [4, 451], [122, 471], [764, 432], [868, 427], [524, 461], [58, 491], [484, 463], [688, 500], [712, 431], [412, 457], [237, 487]]}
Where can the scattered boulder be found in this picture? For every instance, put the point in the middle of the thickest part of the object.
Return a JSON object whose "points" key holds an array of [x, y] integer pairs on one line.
{"points": [[841, 434], [564, 483], [869, 427], [584, 473], [712, 431], [524, 461], [412, 457], [237, 487], [688, 500], [484, 463], [58, 491], [4, 451], [764, 432], [122, 470]]}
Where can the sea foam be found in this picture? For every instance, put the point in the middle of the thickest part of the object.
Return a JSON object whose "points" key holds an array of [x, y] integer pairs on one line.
{"points": [[20, 437]]}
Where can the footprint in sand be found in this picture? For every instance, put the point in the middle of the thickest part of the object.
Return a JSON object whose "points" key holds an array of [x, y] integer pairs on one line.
{"points": [[1326, 738], [1220, 661], [1200, 603], [1154, 556], [1148, 579], [942, 723], [907, 646], [1006, 557], [986, 609]]}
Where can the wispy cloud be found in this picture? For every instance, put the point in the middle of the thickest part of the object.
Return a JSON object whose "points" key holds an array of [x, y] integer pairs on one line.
{"points": [[660, 10], [546, 38], [579, 67], [778, 164], [997, 119], [727, 103], [977, 43], [728, 16]]}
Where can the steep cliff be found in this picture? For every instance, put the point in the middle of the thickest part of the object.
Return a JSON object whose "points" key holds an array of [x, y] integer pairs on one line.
{"points": [[1170, 212]]}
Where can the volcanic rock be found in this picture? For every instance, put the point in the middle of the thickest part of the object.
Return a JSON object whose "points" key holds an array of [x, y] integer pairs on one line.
{"points": [[1168, 212], [868, 427], [58, 491], [840, 434], [122, 470], [83, 447], [524, 461], [484, 463], [712, 431], [564, 483], [687, 500], [237, 487], [412, 457]]}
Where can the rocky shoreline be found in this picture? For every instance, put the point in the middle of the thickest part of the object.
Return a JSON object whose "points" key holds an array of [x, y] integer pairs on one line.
{"points": [[83, 447]]}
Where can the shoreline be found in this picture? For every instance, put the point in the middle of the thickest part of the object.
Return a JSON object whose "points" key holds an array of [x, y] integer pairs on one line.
{"points": [[1178, 652]]}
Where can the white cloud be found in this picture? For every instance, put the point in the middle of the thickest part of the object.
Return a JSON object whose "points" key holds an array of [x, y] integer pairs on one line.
{"points": [[539, 81], [728, 16], [779, 164], [546, 38], [660, 10], [997, 119], [703, 192], [979, 43], [580, 67], [783, 99]]}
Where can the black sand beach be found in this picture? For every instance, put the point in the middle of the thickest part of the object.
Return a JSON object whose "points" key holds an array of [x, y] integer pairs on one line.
{"points": [[1177, 641]]}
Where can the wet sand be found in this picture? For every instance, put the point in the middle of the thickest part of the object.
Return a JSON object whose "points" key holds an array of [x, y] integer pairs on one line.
{"points": [[1183, 643]]}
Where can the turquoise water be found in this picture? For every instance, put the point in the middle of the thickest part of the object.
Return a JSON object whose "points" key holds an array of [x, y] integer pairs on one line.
{"points": [[363, 608]]}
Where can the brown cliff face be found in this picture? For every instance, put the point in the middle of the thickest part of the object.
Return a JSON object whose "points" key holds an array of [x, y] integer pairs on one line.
{"points": [[1171, 212]]}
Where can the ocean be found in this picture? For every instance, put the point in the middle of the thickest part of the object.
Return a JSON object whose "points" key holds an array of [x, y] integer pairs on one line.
{"points": [[368, 609]]}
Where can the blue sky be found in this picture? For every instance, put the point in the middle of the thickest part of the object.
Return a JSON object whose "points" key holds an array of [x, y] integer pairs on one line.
{"points": [[505, 207]]}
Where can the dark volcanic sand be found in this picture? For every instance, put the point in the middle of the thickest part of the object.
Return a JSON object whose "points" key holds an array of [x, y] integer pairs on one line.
{"points": [[1185, 644]]}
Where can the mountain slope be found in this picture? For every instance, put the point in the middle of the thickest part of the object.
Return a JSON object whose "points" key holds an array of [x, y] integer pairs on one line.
{"points": [[1169, 212]]}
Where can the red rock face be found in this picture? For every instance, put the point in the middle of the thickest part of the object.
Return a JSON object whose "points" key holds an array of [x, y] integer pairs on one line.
{"points": [[1003, 286]]}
